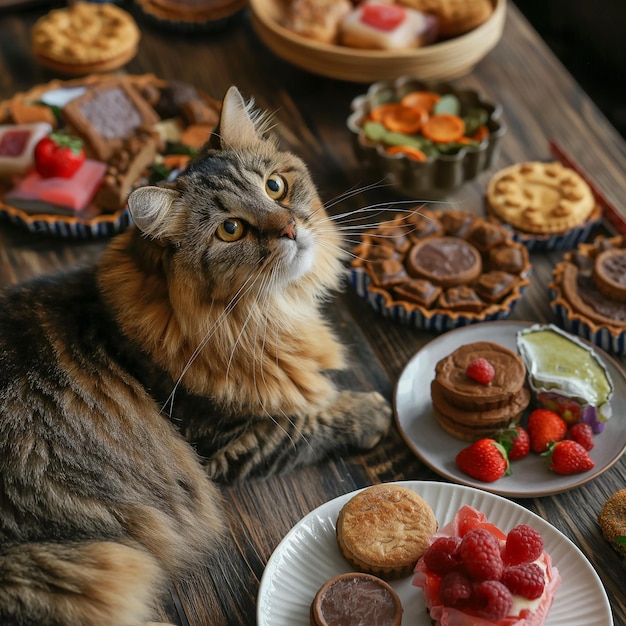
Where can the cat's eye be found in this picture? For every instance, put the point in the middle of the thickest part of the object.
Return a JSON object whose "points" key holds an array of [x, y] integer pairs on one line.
{"points": [[276, 186], [231, 230]]}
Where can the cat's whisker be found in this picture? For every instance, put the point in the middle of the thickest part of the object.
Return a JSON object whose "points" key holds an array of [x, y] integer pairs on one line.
{"points": [[245, 288], [351, 193], [264, 287]]}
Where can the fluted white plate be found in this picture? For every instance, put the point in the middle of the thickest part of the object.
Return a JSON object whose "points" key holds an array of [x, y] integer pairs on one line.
{"points": [[308, 556], [530, 476]]}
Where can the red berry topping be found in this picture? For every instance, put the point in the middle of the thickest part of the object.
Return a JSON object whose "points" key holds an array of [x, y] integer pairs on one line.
{"points": [[583, 434], [520, 444], [569, 457], [496, 600], [480, 551], [485, 459], [524, 544], [545, 427], [455, 588], [526, 580], [442, 556], [481, 371]]}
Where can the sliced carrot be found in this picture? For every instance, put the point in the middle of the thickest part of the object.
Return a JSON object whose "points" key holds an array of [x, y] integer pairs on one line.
{"points": [[378, 113], [444, 128], [406, 120], [482, 132], [410, 151], [422, 99]]}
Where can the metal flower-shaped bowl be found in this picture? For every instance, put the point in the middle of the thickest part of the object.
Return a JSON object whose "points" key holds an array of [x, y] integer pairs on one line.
{"points": [[446, 167]]}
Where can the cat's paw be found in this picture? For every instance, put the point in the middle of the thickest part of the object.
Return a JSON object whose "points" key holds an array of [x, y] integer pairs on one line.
{"points": [[370, 417]]}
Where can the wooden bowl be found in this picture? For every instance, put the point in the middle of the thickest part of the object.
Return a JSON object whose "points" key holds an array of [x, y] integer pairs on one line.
{"points": [[439, 61]]}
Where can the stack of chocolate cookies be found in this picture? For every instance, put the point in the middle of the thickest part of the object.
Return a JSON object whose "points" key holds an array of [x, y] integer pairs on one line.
{"points": [[470, 410]]}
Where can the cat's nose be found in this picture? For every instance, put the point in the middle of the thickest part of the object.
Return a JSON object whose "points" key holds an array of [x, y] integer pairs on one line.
{"points": [[289, 231]]}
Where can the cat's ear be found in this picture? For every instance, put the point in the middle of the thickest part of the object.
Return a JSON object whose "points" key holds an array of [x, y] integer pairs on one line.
{"points": [[154, 211], [239, 126]]}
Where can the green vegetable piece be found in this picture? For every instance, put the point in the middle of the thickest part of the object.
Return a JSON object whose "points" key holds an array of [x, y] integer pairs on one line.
{"points": [[448, 103], [474, 119], [400, 139], [374, 131]]}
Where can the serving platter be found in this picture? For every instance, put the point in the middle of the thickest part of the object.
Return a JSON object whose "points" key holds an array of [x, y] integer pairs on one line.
{"points": [[530, 476], [308, 556]]}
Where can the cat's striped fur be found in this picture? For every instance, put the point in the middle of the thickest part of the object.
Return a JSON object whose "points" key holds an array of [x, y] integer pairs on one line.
{"points": [[200, 325]]}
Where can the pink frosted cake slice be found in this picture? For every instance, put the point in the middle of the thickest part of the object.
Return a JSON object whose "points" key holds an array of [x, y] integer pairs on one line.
{"points": [[65, 196], [444, 591]]}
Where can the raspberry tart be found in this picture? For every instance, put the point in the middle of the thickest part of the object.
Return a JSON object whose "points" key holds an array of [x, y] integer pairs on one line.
{"points": [[474, 573]]}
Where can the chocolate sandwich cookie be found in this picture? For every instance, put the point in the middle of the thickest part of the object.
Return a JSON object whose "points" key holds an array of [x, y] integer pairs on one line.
{"points": [[355, 599], [445, 261]]}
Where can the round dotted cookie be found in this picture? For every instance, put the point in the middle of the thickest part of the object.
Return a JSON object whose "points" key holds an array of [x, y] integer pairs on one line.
{"points": [[539, 197], [85, 37]]}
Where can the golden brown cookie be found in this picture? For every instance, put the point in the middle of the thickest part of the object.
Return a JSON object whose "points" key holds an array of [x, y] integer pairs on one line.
{"points": [[85, 37], [455, 16], [383, 530], [612, 520], [539, 197]]}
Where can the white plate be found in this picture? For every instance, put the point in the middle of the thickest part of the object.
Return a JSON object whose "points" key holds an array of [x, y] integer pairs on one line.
{"points": [[530, 476], [308, 556]]}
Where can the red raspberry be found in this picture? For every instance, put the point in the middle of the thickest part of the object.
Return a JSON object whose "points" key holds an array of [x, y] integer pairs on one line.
{"points": [[442, 555], [481, 371], [583, 434], [480, 551], [455, 588], [524, 544], [526, 580], [496, 600]]}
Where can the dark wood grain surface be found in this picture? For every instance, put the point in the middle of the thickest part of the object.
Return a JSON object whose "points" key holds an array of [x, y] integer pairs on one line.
{"points": [[541, 102]]}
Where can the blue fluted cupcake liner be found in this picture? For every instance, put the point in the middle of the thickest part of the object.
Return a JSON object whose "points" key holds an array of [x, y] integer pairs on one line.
{"points": [[105, 225], [433, 321], [600, 336]]}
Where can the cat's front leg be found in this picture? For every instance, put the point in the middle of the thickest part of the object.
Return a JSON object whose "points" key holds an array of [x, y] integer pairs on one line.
{"points": [[270, 445]]}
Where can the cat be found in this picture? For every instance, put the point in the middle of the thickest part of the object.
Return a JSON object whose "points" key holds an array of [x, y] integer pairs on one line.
{"points": [[194, 352]]}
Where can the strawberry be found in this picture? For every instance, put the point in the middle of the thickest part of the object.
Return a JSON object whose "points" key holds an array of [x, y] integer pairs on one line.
{"points": [[516, 442], [583, 433], [545, 427], [384, 17], [485, 459], [480, 370], [58, 155], [569, 457]]}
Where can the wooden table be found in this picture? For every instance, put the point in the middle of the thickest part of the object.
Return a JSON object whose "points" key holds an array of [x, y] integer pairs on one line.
{"points": [[541, 101]]}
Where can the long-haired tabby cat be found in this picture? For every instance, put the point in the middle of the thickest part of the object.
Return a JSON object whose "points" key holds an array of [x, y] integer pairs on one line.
{"points": [[194, 350]]}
